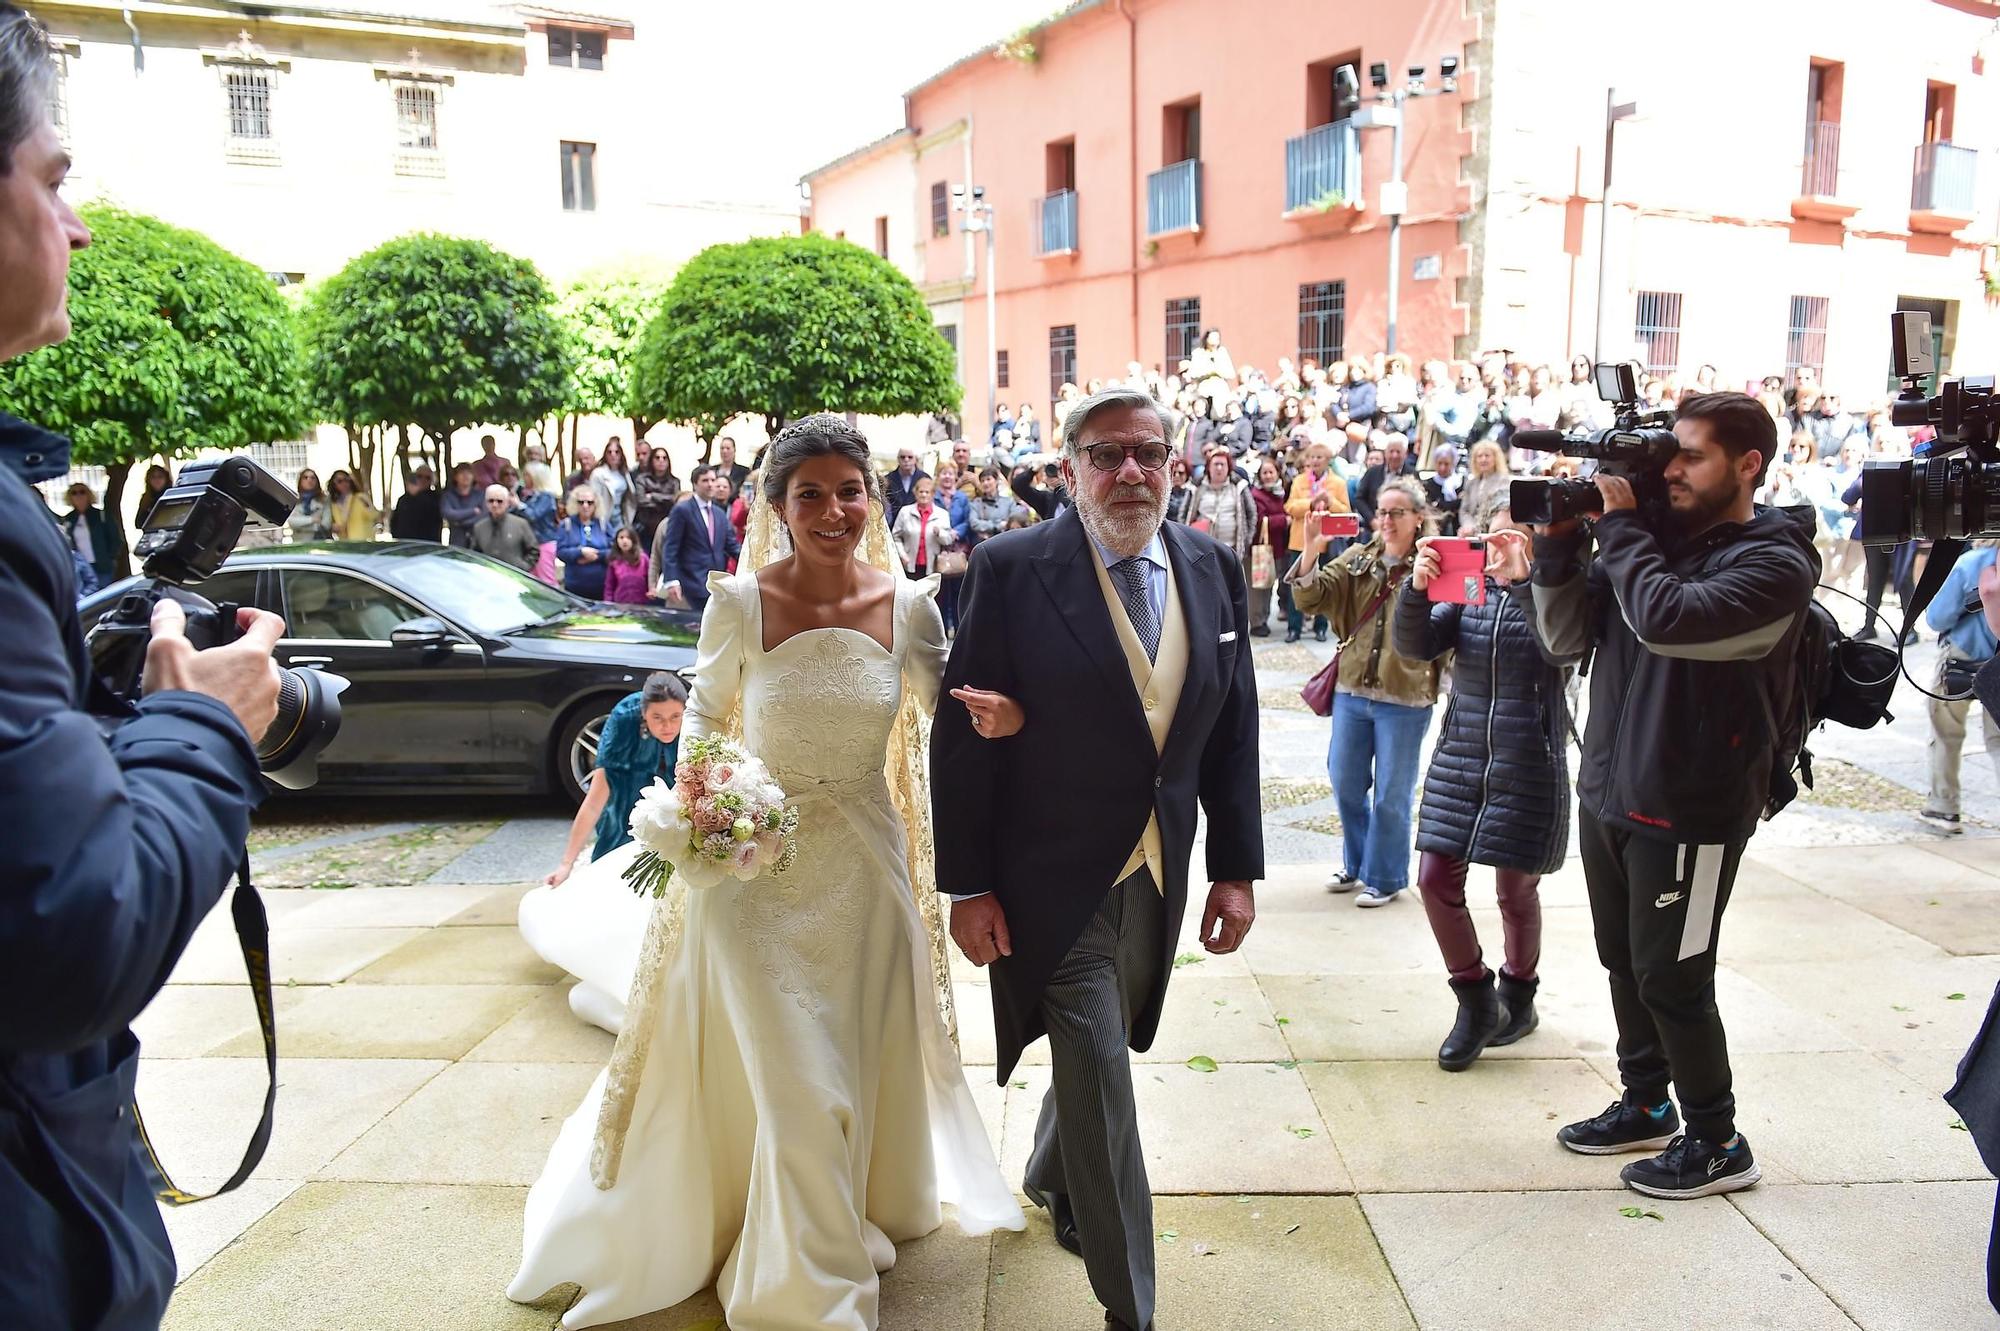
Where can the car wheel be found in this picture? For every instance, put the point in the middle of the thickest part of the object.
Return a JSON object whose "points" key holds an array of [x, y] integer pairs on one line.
{"points": [[575, 754]]}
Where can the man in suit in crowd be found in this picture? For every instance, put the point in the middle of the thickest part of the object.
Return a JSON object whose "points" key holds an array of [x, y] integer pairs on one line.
{"points": [[899, 487], [1126, 640], [694, 541]]}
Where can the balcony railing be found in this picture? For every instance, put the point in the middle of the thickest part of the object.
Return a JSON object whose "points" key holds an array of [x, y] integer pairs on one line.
{"points": [[1055, 223], [1822, 168], [1173, 199], [1944, 179], [1323, 167]]}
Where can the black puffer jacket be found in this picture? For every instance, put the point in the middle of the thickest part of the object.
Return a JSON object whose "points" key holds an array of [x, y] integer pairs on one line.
{"points": [[1497, 792]]}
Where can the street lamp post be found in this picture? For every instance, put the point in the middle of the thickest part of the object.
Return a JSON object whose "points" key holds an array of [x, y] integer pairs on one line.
{"points": [[1614, 111], [1388, 113], [979, 217]]}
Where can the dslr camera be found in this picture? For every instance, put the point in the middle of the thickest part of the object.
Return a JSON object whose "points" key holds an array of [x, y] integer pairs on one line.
{"points": [[1952, 490], [190, 531], [1638, 447]]}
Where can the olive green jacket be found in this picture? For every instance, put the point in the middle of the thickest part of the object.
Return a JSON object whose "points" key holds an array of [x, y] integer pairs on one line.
{"points": [[1370, 665]]}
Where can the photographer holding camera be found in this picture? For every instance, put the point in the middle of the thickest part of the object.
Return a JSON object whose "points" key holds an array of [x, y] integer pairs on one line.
{"points": [[1967, 643], [1696, 628], [118, 846]]}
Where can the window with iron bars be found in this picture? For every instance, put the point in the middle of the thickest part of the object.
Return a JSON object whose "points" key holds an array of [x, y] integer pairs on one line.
{"points": [[940, 209], [579, 177], [1656, 328], [417, 131], [1000, 369], [1062, 358], [1183, 328], [249, 105], [1323, 321], [1805, 337]]}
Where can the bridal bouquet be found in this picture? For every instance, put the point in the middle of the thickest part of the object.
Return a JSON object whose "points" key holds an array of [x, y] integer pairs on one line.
{"points": [[724, 817]]}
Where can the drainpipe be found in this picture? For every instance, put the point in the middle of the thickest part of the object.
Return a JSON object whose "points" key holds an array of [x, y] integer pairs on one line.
{"points": [[138, 51], [1132, 170], [971, 250]]}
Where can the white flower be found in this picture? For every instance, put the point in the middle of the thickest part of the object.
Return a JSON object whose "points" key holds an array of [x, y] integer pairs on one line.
{"points": [[658, 822]]}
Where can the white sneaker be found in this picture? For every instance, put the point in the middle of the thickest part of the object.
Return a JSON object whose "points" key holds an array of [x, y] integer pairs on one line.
{"points": [[1371, 898], [1948, 823], [1338, 881]]}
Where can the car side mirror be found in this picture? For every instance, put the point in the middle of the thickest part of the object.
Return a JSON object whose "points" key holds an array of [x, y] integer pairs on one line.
{"points": [[422, 633]]}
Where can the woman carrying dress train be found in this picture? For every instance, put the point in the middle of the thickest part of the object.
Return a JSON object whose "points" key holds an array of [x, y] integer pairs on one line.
{"points": [[638, 744], [798, 1107]]}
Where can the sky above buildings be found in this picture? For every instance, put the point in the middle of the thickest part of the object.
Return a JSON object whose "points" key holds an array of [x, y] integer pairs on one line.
{"points": [[758, 92]]}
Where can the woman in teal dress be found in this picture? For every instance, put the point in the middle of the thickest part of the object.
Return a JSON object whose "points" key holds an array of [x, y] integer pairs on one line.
{"points": [[639, 742]]}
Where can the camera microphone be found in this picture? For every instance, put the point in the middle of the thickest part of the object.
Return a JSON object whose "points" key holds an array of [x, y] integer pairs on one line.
{"points": [[1539, 441]]}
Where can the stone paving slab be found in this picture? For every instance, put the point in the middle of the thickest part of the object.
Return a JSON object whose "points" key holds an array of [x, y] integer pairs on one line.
{"points": [[522, 848], [387, 907], [472, 1123], [545, 1031], [370, 1255], [1895, 1256], [1529, 1261], [475, 954], [1225, 1264], [298, 956], [389, 1021], [1222, 1016], [189, 1020], [200, 1111]]}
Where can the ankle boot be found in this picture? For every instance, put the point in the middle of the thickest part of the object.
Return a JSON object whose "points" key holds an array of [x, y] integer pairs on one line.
{"points": [[1480, 1017], [1518, 997]]}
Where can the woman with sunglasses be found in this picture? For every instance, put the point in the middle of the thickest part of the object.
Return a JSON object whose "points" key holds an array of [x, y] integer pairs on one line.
{"points": [[1382, 699], [584, 545]]}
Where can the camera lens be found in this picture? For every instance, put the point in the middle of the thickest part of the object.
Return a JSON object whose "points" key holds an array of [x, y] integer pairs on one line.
{"points": [[308, 719]]}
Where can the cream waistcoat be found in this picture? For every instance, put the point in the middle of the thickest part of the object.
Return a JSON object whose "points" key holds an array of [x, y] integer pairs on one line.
{"points": [[1158, 683]]}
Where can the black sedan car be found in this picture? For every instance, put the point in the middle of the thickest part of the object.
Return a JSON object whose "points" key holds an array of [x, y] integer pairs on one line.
{"points": [[466, 674]]}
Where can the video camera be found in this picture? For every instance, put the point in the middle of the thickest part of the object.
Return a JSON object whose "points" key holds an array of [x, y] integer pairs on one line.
{"points": [[189, 532], [1951, 491], [1638, 447]]}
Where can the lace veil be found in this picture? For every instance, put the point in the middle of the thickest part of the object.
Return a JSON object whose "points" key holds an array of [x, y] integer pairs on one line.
{"points": [[908, 775]]}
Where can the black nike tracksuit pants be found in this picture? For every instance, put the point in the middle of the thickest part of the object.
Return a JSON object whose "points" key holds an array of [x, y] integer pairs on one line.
{"points": [[1656, 907]]}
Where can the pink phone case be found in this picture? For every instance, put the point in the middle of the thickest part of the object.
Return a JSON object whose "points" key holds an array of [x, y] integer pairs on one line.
{"points": [[1461, 575], [1332, 525]]}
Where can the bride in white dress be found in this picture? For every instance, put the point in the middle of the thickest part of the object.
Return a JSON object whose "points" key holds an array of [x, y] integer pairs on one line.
{"points": [[802, 1107]]}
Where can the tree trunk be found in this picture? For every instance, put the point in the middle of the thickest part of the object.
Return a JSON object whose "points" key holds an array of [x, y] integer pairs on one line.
{"points": [[403, 449], [361, 446], [115, 476]]}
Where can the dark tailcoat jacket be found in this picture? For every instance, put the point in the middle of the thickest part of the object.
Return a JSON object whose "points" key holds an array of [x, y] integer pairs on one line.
{"points": [[1080, 780]]}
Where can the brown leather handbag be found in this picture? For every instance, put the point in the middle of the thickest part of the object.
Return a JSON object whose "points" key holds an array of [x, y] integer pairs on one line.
{"points": [[1318, 691]]}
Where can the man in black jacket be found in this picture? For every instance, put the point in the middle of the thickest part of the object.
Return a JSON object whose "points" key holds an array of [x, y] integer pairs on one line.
{"points": [[116, 848], [1126, 640], [1696, 631]]}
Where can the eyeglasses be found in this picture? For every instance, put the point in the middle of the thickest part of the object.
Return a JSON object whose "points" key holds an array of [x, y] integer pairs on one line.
{"points": [[1110, 457], [1396, 512], [586, 503]]}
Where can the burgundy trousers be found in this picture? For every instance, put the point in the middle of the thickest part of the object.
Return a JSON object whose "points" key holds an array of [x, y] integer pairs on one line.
{"points": [[1441, 879]]}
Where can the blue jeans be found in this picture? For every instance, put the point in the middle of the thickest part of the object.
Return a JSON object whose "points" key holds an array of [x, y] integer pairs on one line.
{"points": [[1372, 762]]}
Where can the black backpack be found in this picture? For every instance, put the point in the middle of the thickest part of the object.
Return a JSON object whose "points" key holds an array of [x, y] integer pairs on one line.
{"points": [[1839, 679]]}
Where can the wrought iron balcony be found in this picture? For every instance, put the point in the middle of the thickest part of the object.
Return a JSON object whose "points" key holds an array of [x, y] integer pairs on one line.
{"points": [[1055, 223], [1323, 168], [1944, 180], [1173, 199]]}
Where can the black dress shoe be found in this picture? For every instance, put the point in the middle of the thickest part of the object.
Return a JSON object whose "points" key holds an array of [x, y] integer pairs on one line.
{"points": [[1291, 635], [1111, 1321], [1060, 1216], [1319, 633]]}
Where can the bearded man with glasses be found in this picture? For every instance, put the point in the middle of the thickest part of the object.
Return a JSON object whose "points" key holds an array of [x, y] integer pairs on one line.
{"points": [[1126, 639]]}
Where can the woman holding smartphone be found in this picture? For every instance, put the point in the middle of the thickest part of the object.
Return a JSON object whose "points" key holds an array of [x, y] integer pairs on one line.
{"points": [[1316, 491], [1382, 699], [1497, 792]]}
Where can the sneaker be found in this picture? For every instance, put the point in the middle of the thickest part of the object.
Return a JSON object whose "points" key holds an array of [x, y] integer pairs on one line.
{"points": [[1341, 881], [1291, 635], [1691, 1167], [1623, 1127], [1947, 823], [1319, 634], [1373, 897]]}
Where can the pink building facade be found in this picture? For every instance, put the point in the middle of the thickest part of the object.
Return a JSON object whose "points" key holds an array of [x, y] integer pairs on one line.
{"points": [[1791, 173]]}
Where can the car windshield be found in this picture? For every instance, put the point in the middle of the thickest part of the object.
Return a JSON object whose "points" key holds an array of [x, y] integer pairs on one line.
{"points": [[481, 595]]}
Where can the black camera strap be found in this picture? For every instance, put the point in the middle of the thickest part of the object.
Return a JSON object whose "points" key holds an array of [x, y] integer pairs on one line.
{"points": [[1937, 568], [253, 932]]}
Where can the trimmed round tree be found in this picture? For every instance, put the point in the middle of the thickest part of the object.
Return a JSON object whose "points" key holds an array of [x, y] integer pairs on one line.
{"points": [[176, 346], [436, 332], [603, 313], [787, 325]]}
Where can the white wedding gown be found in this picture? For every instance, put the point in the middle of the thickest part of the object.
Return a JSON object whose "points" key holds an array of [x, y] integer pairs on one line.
{"points": [[803, 1108]]}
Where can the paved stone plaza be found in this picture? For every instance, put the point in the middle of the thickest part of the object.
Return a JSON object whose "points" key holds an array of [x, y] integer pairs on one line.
{"points": [[1324, 1174]]}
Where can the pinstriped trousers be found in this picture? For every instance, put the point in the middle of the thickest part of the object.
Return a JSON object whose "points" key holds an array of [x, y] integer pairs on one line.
{"points": [[1087, 1140]]}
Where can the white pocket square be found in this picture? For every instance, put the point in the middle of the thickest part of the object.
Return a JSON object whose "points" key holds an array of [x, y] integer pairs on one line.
{"points": [[1228, 637]]}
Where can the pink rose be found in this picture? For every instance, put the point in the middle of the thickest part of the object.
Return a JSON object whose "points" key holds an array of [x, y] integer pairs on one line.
{"points": [[744, 856]]}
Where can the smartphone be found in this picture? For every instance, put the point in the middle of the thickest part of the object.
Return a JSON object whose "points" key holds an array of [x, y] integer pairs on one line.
{"points": [[1339, 524], [1461, 575]]}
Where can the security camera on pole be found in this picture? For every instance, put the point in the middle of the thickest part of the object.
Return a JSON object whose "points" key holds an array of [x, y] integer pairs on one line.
{"points": [[979, 217], [1387, 112]]}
